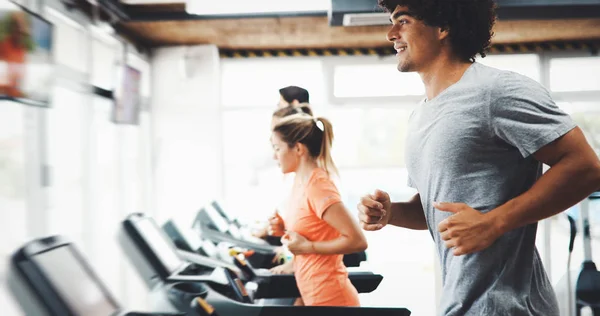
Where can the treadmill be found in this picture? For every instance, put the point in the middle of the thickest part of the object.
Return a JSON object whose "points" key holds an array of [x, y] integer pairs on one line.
{"points": [[269, 285], [158, 263], [587, 287], [50, 277], [187, 241], [210, 225], [271, 240]]}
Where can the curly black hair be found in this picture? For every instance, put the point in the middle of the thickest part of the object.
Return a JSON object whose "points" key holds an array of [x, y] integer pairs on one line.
{"points": [[469, 22]]}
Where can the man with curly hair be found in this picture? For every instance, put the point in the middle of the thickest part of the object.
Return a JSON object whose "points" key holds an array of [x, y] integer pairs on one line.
{"points": [[475, 150]]}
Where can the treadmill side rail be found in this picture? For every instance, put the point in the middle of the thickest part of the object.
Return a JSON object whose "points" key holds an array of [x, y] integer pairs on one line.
{"points": [[284, 285]]}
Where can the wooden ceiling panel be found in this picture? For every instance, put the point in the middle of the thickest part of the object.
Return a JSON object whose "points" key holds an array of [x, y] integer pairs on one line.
{"points": [[507, 32], [154, 8], [315, 32]]}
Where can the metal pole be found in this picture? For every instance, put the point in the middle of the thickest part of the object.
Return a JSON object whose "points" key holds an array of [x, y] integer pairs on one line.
{"points": [[547, 225], [584, 213]]}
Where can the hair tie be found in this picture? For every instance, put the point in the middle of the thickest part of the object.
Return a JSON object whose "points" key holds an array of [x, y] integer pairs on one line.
{"points": [[319, 124]]}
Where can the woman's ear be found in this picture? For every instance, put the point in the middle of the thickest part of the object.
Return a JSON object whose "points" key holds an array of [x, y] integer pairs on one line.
{"points": [[299, 149]]}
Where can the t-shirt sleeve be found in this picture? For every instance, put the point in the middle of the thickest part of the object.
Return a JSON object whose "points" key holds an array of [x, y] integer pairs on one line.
{"points": [[410, 183], [322, 194], [523, 114]]}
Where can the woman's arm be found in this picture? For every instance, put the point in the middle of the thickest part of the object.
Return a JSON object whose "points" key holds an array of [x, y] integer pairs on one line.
{"points": [[351, 240]]}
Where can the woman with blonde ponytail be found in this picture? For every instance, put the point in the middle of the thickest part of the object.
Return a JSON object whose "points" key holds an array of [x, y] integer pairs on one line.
{"points": [[319, 228]]}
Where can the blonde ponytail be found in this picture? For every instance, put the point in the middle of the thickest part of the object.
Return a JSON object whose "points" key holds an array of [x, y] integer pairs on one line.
{"points": [[324, 158]]}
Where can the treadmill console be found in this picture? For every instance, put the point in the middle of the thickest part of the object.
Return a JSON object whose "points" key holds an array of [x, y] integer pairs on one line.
{"points": [[187, 240], [221, 212], [210, 216], [152, 253], [57, 276]]}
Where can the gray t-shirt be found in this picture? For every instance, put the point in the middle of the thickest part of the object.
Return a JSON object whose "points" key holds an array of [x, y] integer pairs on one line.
{"points": [[473, 144]]}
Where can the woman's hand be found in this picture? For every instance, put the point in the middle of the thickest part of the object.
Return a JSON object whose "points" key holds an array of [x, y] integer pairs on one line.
{"points": [[286, 268], [276, 226], [297, 244]]}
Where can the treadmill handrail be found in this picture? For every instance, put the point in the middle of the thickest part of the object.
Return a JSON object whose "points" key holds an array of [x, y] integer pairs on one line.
{"points": [[285, 286], [281, 285], [206, 261], [208, 233]]}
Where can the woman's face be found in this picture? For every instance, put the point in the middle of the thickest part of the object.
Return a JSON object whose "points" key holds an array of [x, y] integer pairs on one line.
{"points": [[287, 157]]}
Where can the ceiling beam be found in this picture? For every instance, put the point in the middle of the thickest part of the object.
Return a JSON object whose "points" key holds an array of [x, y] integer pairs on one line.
{"points": [[135, 10], [315, 32]]}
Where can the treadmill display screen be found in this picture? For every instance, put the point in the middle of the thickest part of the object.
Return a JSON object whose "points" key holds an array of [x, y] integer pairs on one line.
{"points": [[160, 244], [221, 211], [235, 232], [217, 219], [191, 238], [81, 292]]}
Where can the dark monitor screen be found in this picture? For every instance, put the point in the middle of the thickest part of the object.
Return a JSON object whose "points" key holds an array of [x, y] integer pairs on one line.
{"points": [[160, 244], [82, 292]]}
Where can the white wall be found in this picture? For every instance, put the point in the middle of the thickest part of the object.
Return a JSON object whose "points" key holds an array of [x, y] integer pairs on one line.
{"points": [[187, 130]]}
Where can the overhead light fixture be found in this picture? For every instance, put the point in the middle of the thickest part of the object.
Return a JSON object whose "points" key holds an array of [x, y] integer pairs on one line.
{"points": [[242, 7], [365, 19]]}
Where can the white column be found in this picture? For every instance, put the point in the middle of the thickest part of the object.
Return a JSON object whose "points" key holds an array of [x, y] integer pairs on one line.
{"points": [[186, 129]]}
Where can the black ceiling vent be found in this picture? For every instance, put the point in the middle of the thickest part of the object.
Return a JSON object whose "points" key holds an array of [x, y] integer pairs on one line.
{"points": [[357, 13], [366, 12]]}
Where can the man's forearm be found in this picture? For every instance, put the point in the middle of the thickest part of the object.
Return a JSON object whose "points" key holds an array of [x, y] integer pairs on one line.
{"points": [[564, 185], [408, 214]]}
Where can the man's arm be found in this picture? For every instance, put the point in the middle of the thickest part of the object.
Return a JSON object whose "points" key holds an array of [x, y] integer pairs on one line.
{"points": [[574, 174], [408, 214], [376, 211]]}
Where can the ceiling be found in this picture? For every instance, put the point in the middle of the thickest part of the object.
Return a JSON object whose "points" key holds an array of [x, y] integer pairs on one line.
{"points": [[154, 23], [315, 32]]}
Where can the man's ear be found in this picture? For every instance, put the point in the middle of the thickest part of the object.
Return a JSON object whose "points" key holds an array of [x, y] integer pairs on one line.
{"points": [[443, 32], [295, 102]]}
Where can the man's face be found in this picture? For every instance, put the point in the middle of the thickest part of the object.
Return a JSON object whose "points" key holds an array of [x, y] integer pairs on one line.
{"points": [[416, 43]]}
